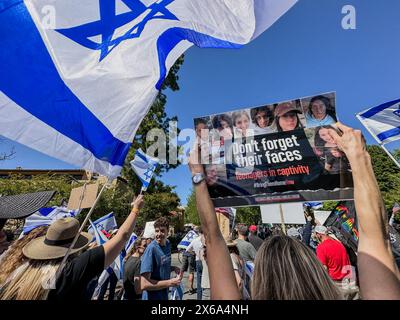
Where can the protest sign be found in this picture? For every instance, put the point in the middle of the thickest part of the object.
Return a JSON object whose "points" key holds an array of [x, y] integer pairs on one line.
{"points": [[292, 213], [275, 153], [149, 231], [83, 197]]}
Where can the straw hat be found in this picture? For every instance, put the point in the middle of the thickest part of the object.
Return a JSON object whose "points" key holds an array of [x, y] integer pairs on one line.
{"points": [[57, 240]]}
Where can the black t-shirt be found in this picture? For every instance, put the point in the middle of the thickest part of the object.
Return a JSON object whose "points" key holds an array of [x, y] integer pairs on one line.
{"points": [[74, 280], [131, 270]]}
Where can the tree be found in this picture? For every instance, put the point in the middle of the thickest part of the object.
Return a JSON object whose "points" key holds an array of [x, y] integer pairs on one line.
{"points": [[17, 184], [6, 155], [248, 215], [387, 175], [155, 119], [191, 214], [157, 205]]}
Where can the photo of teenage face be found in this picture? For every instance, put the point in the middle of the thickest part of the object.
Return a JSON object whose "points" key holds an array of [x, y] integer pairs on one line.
{"points": [[263, 119], [287, 117], [223, 124], [241, 123], [214, 173], [320, 110], [201, 124]]}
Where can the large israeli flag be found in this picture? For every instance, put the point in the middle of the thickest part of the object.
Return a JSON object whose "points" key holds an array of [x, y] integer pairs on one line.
{"points": [[77, 77], [46, 216], [383, 121]]}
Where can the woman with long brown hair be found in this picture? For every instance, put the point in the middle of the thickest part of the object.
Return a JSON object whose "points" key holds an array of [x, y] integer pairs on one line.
{"points": [[13, 257], [285, 269]]}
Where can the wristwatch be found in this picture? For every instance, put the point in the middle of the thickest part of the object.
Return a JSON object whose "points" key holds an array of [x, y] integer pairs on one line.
{"points": [[197, 178]]}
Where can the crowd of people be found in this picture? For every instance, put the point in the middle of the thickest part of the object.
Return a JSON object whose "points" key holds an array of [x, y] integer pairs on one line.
{"points": [[303, 264]]}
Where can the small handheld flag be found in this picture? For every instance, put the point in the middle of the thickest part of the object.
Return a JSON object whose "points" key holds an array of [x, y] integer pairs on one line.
{"points": [[190, 236], [106, 222], [144, 167]]}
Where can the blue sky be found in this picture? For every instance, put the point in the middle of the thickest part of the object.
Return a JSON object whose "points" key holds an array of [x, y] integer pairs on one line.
{"points": [[304, 53]]}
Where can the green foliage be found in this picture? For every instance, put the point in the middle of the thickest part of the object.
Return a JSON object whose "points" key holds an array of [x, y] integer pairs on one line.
{"points": [[387, 175], [248, 215], [156, 118], [329, 205], [191, 214], [158, 205], [17, 184]]}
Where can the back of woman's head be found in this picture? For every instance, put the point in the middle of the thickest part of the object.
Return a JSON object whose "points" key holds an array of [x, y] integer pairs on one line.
{"points": [[285, 269], [14, 257], [33, 280]]}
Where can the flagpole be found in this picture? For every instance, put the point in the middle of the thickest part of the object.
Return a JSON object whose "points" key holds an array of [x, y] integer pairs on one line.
{"points": [[390, 155], [82, 196], [63, 262], [381, 144]]}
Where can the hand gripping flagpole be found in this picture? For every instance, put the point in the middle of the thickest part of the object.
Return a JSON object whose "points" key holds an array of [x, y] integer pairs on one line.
{"points": [[63, 262]]}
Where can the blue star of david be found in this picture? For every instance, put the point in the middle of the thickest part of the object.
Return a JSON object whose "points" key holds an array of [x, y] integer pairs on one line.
{"points": [[149, 173], [397, 112], [190, 236], [109, 22]]}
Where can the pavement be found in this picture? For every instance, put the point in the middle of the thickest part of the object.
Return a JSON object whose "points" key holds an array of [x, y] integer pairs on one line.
{"points": [[175, 262]]}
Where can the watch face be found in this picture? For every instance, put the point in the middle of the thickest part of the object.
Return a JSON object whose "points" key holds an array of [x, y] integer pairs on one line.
{"points": [[197, 178]]}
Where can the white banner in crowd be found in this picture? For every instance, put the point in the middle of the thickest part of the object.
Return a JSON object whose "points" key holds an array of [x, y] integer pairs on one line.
{"points": [[292, 213], [81, 94]]}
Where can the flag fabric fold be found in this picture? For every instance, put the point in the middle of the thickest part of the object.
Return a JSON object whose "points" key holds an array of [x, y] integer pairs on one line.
{"points": [[98, 65], [144, 167], [46, 216], [383, 121]]}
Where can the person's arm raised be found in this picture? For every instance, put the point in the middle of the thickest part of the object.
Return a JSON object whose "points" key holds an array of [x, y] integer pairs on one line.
{"points": [[379, 276], [222, 278], [113, 247]]}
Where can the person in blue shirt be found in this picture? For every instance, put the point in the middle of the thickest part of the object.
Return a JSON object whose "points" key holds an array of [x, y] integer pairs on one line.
{"points": [[156, 266], [317, 115]]}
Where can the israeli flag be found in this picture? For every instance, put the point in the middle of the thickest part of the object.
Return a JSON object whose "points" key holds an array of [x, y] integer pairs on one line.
{"points": [[144, 167], [177, 292], [314, 205], [249, 268], [106, 223], [46, 216], [77, 77], [383, 121], [99, 235], [187, 239], [130, 242]]}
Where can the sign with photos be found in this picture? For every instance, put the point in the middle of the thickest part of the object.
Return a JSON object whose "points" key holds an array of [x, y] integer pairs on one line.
{"points": [[275, 153]]}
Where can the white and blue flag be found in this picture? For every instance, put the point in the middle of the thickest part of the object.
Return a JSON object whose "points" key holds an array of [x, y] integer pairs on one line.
{"points": [[144, 167], [77, 77], [383, 121], [130, 242], [106, 223], [187, 239], [100, 237], [46, 216], [315, 205]]}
